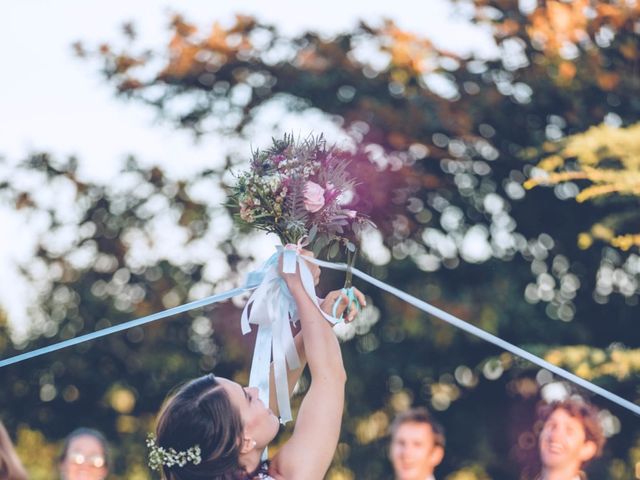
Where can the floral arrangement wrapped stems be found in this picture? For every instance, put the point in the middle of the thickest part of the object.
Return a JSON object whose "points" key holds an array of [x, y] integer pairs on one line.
{"points": [[297, 189], [303, 192]]}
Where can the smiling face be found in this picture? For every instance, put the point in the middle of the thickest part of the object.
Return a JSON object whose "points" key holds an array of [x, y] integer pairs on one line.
{"points": [[563, 442], [414, 452], [259, 422], [85, 460]]}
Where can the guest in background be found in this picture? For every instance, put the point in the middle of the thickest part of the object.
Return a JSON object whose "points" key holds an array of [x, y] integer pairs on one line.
{"points": [[10, 466], [85, 456], [571, 437], [417, 445]]}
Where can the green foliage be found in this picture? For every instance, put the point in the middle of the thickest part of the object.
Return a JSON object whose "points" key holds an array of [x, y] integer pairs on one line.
{"points": [[294, 204], [441, 168], [607, 160], [96, 279]]}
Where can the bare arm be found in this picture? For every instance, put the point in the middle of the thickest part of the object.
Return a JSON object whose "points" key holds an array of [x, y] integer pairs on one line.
{"points": [[294, 375], [308, 453]]}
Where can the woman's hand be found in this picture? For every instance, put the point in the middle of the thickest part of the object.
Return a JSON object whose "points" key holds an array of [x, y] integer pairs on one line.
{"points": [[352, 310], [293, 279]]}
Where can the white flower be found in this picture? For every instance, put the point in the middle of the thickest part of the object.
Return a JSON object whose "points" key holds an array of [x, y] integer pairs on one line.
{"points": [[159, 456]]}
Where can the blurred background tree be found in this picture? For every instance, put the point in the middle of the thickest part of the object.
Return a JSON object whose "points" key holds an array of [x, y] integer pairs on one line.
{"points": [[443, 145], [607, 160]]}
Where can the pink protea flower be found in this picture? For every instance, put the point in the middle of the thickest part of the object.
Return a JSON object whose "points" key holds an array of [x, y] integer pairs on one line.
{"points": [[313, 197]]}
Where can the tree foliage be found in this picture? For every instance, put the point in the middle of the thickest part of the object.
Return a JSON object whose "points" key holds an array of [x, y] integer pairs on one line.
{"points": [[448, 141], [607, 160]]}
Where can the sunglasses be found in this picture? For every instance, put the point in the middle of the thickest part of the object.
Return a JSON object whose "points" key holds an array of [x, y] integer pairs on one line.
{"points": [[96, 461]]}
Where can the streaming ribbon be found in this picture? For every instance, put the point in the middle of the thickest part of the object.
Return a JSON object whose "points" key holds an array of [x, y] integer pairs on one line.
{"points": [[272, 308]]}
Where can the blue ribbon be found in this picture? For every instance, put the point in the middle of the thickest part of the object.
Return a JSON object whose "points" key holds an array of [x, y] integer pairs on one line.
{"points": [[478, 332], [271, 307], [249, 285], [265, 334]]}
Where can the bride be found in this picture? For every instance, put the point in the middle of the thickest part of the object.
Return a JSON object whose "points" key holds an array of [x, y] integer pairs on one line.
{"points": [[213, 428]]}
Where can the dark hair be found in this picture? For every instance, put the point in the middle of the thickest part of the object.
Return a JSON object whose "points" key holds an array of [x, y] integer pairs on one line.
{"points": [[10, 466], [86, 432], [419, 415], [200, 413], [583, 411]]}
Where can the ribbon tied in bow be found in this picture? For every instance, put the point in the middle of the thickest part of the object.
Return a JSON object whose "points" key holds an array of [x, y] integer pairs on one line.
{"points": [[271, 307]]}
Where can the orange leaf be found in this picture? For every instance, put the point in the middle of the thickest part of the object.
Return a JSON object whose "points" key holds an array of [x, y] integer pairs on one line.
{"points": [[608, 80], [567, 70]]}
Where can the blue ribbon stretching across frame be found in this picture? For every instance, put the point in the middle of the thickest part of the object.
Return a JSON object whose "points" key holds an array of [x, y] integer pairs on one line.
{"points": [[272, 296]]}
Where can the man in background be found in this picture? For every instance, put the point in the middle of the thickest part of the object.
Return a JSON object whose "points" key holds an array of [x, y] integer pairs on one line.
{"points": [[417, 445]]}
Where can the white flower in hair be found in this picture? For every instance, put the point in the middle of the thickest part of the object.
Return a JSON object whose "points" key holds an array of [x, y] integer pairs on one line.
{"points": [[169, 457]]}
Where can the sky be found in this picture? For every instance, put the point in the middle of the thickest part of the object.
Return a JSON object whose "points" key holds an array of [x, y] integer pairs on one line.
{"points": [[52, 101]]}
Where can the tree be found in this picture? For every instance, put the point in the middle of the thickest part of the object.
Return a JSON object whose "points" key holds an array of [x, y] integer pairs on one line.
{"points": [[607, 159], [91, 269], [445, 143]]}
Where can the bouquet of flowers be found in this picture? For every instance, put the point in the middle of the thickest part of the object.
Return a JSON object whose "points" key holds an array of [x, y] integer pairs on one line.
{"points": [[303, 192], [298, 189]]}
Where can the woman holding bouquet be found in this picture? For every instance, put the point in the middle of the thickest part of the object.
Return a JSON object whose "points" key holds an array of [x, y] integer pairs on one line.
{"points": [[213, 428]]}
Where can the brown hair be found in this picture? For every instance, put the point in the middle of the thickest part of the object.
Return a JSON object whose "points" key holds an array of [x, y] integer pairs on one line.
{"points": [[10, 466], [200, 413], [419, 415], [583, 411]]}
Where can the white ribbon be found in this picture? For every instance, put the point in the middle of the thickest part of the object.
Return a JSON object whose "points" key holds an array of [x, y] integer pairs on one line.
{"points": [[261, 360], [271, 307], [478, 332]]}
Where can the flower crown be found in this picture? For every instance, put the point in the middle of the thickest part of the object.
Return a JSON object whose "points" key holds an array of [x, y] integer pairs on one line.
{"points": [[168, 457]]}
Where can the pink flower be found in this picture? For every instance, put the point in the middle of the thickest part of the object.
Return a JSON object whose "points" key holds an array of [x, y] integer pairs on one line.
{"points": [[351, 213], [313, 197], [330, 193]]}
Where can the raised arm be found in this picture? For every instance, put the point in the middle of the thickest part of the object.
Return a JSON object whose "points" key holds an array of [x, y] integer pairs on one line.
{"points": [[294, 375], [308, 453]]}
